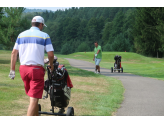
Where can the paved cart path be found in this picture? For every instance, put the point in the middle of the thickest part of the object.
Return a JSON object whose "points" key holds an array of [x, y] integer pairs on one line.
{"points": [[143, 96]]}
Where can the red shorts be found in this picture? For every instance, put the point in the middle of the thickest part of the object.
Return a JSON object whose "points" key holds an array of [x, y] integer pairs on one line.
{"points": [[33, 78]]}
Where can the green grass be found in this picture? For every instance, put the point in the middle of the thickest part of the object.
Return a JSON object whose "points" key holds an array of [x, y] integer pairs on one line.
{"points": [[131, 63], [92, 94], [9, 90]]}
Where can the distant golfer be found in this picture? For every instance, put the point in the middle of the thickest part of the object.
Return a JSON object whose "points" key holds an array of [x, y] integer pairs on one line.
{"points": [[97, 57]]}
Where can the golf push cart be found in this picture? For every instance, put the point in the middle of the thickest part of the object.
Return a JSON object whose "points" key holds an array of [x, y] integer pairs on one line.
{"points": [[117, 64], [58, 87]]}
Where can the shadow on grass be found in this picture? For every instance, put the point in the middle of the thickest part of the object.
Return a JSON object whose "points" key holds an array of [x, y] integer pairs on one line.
{"points": [[4, 61]]}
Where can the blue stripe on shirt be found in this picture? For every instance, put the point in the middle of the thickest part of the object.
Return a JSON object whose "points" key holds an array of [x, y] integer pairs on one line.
{"points": [[36, 40], [48, 41]]}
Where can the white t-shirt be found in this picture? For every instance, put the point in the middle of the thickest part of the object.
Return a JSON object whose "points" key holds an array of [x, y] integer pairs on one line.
{"points": [[31, 45]]}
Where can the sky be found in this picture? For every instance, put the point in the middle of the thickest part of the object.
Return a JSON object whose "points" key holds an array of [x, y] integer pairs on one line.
{"points": [[48, 8]]}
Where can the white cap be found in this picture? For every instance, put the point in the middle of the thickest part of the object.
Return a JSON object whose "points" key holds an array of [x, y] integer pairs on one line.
{"points": [[38, 19]]}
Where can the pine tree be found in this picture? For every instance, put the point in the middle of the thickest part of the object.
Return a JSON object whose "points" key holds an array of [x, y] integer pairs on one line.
{"points": [[146, 34], [12, 26], [83, 47], [100, 26], [1, 12], [121, 43], [72, 29], [82, 30], [158, 15], [92, 27], [107, 32], [66, 49], [117, 26]]}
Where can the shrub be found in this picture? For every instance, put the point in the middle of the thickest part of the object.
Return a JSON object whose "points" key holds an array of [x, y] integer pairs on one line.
{"points": [[121, 43], [66, 49], [83, 47], [107, 47]]}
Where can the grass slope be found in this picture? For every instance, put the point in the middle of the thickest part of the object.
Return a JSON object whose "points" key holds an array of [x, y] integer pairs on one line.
{"points": [[131, 63]]}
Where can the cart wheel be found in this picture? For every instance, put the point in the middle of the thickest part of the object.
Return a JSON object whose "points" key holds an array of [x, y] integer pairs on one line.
{"points": [[70, 111], [122, 69], [39, 109], [111, 69]]}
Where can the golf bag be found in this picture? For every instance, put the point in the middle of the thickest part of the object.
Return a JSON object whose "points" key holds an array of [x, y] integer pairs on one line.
{"points": [[117, 64], [58, 85]]}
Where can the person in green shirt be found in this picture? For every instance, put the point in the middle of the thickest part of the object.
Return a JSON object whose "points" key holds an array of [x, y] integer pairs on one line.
{"points": [[97, 56]]}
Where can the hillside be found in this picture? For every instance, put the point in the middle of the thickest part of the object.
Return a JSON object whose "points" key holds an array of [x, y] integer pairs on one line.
{"points": [[35, 10]]}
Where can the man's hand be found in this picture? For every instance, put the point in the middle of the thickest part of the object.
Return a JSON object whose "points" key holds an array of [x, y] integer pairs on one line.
{"points": [[13, 62], [12, 74], [93, 59], [52, 67]]}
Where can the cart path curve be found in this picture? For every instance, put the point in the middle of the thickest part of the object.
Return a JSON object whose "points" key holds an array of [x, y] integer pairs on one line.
{"points": [[143, 96]]}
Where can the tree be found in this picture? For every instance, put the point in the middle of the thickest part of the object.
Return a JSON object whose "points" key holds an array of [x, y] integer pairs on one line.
{"points": [[158, 15], [113, 11], [66, 49], [1, 12], [106, 34], [128, 25], [92, 23], [92, 34], [120, 43], [100, 26], [92, 29], [83, 47], [146, 32], [82, 30], [117, 26], [72, 29], [105, 12], [61, 29], [75, 44], [107, 47], [11, 26]]}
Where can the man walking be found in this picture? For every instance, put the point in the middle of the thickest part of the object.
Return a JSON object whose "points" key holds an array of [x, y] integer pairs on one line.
{"points": [[31, 45], [97, 57]]}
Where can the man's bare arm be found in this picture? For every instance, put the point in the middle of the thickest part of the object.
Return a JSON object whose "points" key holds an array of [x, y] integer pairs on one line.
{"points": [[13, 59], [51, 59]]}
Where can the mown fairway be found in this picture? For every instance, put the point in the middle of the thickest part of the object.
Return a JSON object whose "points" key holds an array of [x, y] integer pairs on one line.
{"points": [[131, 63], [92, 94]]}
